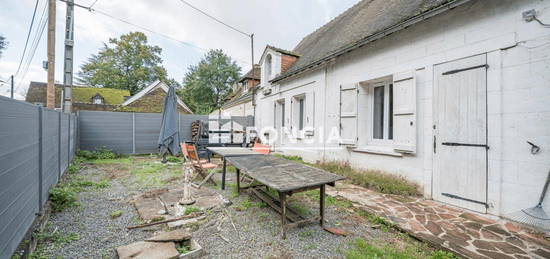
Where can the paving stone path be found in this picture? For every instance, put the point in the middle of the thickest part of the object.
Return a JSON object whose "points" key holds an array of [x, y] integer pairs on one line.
{"points": [[463, 232]]}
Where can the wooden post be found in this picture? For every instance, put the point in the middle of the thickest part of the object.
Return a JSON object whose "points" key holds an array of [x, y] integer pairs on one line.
{"points": [[322, 205], [50, 90], [282, 198], [238, 180]]}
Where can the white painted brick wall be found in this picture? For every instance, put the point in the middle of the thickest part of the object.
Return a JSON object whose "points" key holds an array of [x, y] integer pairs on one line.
{"points": [[518, 95]]}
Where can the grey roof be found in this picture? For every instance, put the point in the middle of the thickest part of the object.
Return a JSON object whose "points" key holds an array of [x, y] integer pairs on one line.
{"points": [[252, 74], [366, 18], [238, 100]]}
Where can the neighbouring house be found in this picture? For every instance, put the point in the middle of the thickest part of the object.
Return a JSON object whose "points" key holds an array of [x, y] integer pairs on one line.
{"points": [[448, 94], [151, 99], [239, 103], [84, 97]]}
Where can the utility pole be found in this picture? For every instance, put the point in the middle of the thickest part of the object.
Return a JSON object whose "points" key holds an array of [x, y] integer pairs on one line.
{"points": [[68, 64], [50, 90], [11, 79], [253, 74]]}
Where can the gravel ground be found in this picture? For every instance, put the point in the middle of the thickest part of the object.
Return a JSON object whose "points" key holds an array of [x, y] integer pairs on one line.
{"points": [[258, 235]]}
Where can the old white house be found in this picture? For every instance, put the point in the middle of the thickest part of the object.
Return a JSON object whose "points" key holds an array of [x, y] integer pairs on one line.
{"points": [[444, 93]]}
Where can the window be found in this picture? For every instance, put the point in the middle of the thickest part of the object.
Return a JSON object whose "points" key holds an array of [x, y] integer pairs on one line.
{"points": [[301, 118], [382, 112], [267, 68], [97, 99], [299, 112], [280, 113]]}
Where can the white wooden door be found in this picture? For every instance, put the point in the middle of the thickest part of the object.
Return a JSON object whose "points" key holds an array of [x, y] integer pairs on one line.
{"points": [[460, 133]]}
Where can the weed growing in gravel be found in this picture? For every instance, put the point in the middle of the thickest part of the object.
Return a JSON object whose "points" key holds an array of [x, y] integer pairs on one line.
{"points": [[360, 249], [382, 222], [62, 198], [116, 213], [246, 204], [310, 246], [191, 209], [305, 234], [182, 249], [56, 239], [101, 153]]}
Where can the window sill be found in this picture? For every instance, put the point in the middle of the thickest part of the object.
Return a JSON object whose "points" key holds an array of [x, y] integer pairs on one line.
{"points": [[378, 150]]}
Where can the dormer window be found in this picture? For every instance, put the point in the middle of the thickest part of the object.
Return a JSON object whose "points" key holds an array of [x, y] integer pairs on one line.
{"points": [[268, 65], [97, 99]]}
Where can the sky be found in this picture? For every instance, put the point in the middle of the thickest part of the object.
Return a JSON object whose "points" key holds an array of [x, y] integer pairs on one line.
{"points": [[281, 23]]}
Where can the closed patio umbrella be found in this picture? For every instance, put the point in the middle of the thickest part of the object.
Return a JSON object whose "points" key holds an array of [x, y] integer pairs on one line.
{"points": [[169, 139]]}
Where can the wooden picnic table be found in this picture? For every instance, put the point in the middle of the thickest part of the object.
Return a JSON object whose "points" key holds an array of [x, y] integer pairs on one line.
{"points": [[229, 152], [286, 177]]}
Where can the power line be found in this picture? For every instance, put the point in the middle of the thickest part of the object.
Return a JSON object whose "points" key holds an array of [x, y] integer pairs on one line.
{"points": [[214, 18], [92, 5], [34, 45], [28, 36], [92, 10]]}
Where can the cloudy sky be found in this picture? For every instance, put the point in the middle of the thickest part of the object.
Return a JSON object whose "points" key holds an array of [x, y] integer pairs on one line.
{"points": [[282, 23]]}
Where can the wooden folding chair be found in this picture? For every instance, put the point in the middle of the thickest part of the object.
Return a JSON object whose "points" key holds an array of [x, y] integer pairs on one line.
{"points": [[201, 167]]}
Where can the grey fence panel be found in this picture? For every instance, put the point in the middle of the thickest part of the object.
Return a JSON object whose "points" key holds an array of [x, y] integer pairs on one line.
{"points": [[50, 149], [185, 124], [112, 130], [64, 147], [72, 137], [18, 172], [147, 132]]}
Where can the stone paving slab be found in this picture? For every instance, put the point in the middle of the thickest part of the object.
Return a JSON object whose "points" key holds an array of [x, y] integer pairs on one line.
{"points": [[466, 233]]}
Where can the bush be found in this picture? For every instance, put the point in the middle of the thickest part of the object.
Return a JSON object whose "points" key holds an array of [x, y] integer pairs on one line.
{"points": [[101, 153], [173, 159], [62, 198]]}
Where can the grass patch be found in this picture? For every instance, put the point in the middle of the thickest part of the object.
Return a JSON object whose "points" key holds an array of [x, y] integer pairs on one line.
{"points": [[173, 159], [101, 153], [372, 179], [360, 249], [110, 161], [191, 209], [247, 204], [297, 159]]}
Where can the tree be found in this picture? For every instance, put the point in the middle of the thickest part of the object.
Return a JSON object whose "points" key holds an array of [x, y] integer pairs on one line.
{"points": [[3, 44], [208, 83], [126, 63]]}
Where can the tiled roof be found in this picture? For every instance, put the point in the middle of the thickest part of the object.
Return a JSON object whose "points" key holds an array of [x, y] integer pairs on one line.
{"points": [[366, 18], [252, 74]]}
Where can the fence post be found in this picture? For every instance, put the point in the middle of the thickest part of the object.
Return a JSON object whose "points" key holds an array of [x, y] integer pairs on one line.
{"points": [[58, 146], [39, 161], [133, 132], [68, 139]]}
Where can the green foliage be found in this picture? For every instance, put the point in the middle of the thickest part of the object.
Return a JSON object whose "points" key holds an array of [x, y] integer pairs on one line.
{"points": [[247, 204], [101, 153], [116, 213], [125, 63], [440, 254], [182, 249], [56, 238], [74, 167], [173, 159], [208, 83], [297, 159], [191, 209], [62, 198], [372, 179], [3, 44]]}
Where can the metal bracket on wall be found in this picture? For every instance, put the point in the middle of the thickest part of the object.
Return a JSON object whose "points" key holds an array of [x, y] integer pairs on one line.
{"points": [[463, 69], [464, 144], [465, 199]]}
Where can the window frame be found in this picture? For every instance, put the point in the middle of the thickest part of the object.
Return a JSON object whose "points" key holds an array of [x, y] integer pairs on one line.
{"points": [[385, 141], [295, 114]]}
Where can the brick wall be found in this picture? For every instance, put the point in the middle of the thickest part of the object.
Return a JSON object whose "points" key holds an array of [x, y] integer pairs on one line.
{"points": [[286, 62]]}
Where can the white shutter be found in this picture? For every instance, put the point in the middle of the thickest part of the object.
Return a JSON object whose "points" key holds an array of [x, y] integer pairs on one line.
{"points": [[348, 114], [309, 123], [404, 112]]}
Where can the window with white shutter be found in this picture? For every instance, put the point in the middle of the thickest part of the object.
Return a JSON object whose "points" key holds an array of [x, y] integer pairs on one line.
{"points": [[309, 121], [348, 114], [404, 112]]}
